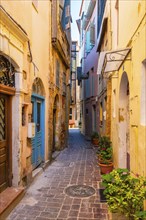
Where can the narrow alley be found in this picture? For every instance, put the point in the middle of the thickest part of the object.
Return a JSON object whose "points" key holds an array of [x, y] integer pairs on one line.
{"points": [[48, 196]]}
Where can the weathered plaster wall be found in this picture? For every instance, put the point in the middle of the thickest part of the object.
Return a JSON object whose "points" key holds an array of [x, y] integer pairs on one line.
{"points": [[35, 23], [132, 34]]}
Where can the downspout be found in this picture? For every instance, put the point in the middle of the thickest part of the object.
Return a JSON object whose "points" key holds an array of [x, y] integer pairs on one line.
{"points": [[31, 59]]}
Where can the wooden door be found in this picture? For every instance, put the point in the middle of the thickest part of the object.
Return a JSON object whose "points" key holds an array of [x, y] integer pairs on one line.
{"points": [[3, 142]]}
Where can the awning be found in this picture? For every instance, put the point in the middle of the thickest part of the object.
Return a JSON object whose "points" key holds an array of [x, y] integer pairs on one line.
{"points": [[110, 61]]}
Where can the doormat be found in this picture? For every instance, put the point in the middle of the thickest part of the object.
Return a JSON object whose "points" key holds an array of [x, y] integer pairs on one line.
{"points": [[80, 191], [102, 196]]}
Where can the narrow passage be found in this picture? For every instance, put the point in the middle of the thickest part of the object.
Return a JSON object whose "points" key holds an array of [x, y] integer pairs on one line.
{"points": [[48, 197]]}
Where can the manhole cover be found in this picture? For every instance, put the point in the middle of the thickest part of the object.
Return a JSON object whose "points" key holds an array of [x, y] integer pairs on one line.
{"points": [[80, 191]]}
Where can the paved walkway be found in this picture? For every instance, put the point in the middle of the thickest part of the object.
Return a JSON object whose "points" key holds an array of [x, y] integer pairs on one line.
{"points": [[46, 198]]}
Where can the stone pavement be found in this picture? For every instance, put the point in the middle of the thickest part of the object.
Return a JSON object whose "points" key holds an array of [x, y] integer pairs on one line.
{"points": [[47, 198]]}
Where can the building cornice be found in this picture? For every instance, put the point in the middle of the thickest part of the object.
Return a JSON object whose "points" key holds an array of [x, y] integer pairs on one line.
{"points": [[14, 27]]}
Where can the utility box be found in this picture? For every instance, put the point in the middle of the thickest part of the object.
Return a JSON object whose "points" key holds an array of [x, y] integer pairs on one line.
{"points": [[31, 130]]}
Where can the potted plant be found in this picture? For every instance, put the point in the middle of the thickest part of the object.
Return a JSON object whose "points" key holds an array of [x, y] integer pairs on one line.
{"points": [[141, 215], [125, 193], [80, 124], [95, 138], [105, 155]]}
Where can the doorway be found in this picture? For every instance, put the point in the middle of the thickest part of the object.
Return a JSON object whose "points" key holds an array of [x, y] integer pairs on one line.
{"points": [[38, 140], [5, 146], [124, 130], [55, 123]]}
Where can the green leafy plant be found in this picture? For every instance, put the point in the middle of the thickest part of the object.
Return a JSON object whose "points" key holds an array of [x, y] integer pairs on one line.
{"points": [[95, 135], [124, 193], [106, 151], [79, 123], [141, 215]]}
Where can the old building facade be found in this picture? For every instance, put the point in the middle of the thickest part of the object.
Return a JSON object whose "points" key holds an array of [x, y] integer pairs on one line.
{"points": [[88, 71], [123, 65], [33, 87], [59, 88], [74, 114], [120, 61]]}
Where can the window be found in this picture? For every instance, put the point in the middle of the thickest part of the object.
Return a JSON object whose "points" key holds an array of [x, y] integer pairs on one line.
{"points": [[92, 34], [65, 14], [70, 114], [64, 83], [90, 38], [88, 48], [86, 111], [57, 72], [38, 124], [101, 7]]}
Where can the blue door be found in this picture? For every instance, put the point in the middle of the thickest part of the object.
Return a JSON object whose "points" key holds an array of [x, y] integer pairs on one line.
{"points": [[38, 141]]}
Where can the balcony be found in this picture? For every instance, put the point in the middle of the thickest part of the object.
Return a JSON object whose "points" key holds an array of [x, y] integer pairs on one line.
{"points": [[59, 38]]}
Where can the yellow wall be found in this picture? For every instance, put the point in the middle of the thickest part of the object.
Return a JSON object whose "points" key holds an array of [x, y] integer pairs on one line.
{"points": [[130, 16], [132, 26], [36, 24]]}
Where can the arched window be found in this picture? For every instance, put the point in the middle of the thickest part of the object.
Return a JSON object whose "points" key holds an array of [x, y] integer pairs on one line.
{"points": [[38, 87], [7, 72]]}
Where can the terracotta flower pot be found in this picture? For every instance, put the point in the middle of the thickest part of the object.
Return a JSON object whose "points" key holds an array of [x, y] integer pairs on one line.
{"points": [[105, 168], [95, 141], [101, 161]]}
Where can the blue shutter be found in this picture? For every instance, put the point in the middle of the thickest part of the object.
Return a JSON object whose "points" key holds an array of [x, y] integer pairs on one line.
{"points": [[87, 41], [65, 21]]}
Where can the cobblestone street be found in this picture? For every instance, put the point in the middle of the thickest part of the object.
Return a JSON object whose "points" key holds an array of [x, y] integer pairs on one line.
{"points": [[47, 197]]}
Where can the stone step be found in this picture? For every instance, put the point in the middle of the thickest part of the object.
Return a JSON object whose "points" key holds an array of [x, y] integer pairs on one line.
{"points": [[9, 198]]}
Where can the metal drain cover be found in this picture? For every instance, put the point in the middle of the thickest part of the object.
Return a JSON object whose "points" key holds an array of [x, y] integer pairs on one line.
{"points": [[80, 191]]}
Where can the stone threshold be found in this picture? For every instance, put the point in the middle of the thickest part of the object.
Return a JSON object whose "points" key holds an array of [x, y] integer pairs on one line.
{"points": [[9, 198], [36, 172]]}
